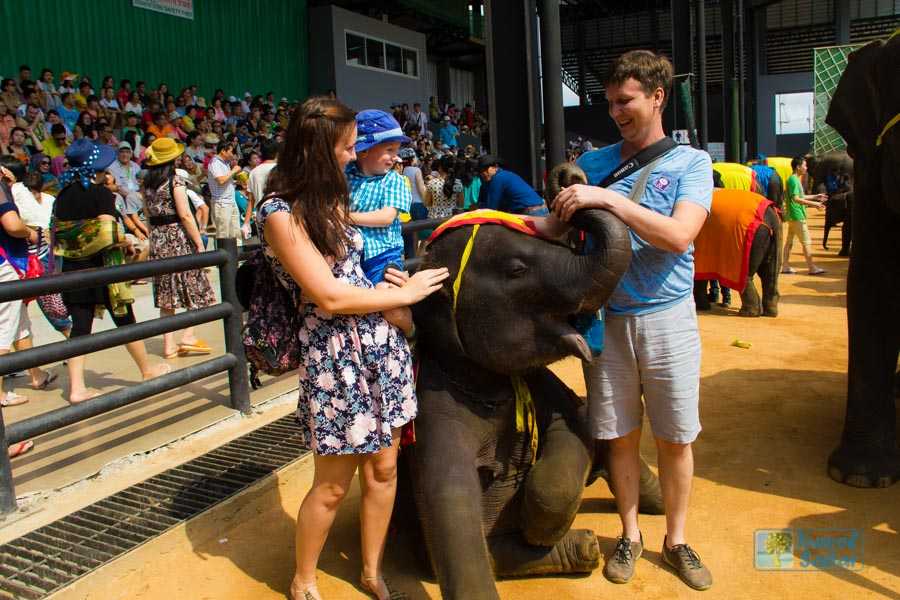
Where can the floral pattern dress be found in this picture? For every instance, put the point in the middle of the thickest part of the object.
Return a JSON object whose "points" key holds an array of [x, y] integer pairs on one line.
{"points": [[441, 205], [188, 289], [356, 380]]}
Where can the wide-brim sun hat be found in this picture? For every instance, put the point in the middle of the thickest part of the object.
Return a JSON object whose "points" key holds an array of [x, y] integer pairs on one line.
{"points": [[87, 153], [375, 127], [163, 150]]}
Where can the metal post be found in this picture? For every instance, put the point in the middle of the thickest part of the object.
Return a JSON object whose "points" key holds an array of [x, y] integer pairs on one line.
{"points": [[742, 76], [238, 376], [582, 74], [551, 69], [701, 79], [7, 491]]}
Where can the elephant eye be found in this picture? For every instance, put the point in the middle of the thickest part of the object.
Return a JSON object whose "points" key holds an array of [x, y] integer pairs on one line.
{"points": [[517, 268]]}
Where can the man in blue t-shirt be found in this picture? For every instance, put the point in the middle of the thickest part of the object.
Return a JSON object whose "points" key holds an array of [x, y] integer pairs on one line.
{"points": [[448, 133], [506, 191], [651, 356]]}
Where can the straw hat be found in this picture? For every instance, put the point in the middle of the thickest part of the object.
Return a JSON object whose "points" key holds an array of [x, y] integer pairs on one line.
{"points": [[163, 150]]}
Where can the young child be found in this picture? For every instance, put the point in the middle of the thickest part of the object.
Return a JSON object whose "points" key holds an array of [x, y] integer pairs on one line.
{"points": [[378, 193], [795, 215]]}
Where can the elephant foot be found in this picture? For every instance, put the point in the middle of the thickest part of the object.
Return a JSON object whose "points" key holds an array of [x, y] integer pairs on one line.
{"points": [[577, 552], [844, 252], [864, 467], [770, 309], [750, 311]]}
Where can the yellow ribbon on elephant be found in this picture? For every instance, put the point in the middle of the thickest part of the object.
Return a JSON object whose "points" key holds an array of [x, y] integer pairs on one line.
{"points": [[887, 128], [462, 264], [526, 415]]}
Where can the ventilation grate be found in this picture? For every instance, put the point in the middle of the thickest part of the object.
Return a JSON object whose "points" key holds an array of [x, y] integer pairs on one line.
{"points": [[47, 559]]}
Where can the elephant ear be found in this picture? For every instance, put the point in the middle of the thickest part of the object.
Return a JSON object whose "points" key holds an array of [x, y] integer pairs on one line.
{"points": [[854, 111]]}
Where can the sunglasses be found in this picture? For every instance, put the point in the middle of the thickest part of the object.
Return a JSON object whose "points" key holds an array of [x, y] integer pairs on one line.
{"points": [[45, 163]]}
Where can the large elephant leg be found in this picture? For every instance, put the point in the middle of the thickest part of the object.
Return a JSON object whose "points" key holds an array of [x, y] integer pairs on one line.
{"points": [[770, 269], [760, 254], [448, 497], [555, 484], [846, 234], [577, 552], [868, 455]]}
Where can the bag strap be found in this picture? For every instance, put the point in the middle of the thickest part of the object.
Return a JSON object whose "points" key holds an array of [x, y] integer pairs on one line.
{"points": [[643, 158], [5, 257], [641, 184]]}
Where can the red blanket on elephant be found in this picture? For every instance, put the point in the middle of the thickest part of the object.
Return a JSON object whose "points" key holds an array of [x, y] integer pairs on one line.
{"points": [[722, 249]]}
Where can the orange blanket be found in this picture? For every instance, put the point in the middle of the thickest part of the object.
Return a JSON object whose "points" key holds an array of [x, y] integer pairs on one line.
{"points": [[722, 250]]}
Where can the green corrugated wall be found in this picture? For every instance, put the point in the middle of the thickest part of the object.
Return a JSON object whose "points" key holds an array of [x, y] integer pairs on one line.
{"points": [[236, 45]]}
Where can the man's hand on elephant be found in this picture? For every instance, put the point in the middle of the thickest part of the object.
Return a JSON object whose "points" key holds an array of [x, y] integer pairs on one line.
{"points": [[578, 196], [396, 277], [424, 283]]}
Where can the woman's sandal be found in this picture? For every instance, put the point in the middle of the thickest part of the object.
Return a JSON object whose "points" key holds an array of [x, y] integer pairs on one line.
{"points": [[311, 592], [198, 347], [51, 377], [12, 399], [369, 584], [20, 448]]}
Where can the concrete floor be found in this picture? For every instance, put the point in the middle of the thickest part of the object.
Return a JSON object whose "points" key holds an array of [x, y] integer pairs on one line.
{"points": [[771, 414], [70, 455]]}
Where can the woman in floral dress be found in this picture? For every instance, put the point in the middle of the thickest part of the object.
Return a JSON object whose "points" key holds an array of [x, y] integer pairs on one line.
{"points": [[173, 232], [356, 386]]}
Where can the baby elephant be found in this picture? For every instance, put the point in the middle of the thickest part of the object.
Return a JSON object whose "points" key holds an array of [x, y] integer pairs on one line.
{"points": [[501, 461]]}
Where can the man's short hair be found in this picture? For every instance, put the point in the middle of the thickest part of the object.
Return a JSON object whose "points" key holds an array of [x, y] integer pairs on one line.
{"points": [[224, 144], [268, 149], [797, 161], [487, 161], [34, 181], [58, 128], [16, 166], [649, 69]]}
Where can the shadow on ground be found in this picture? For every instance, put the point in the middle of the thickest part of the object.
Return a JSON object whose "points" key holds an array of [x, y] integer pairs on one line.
{"points": [[261, 515], [774, 439]]}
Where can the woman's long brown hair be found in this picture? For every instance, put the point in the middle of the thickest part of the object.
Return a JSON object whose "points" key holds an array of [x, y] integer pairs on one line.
{"points": [[308, 175]]}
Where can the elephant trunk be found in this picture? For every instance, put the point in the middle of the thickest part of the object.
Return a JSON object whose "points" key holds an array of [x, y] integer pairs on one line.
{"points": [[608, 253]]}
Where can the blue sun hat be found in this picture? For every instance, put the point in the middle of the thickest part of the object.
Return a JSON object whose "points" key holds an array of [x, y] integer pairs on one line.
{"points": [[375, 127], [85, 159]]}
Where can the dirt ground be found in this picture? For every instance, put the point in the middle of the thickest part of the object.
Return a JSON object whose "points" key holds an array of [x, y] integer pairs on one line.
{"points": [[771, 414]]}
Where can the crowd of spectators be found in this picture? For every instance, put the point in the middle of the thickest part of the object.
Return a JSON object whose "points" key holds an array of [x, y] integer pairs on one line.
{"points": [[225, 139], [40, 119]]}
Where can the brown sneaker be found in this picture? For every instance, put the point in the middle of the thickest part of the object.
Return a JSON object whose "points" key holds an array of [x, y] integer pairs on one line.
{"points": [[620, 566], [687, 565]]}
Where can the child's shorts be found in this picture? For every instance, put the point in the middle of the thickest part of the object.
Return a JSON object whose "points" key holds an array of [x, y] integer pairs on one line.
{"points": [[374, 267]]}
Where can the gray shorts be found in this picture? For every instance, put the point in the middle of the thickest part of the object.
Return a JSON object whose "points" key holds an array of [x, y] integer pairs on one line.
{"points": [[656, 355]]}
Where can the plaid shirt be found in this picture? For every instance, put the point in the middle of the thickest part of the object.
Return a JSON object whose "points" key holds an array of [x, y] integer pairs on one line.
{"points": [[369, 194]]}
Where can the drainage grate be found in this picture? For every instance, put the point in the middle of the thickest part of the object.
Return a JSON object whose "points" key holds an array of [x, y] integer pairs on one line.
{"points": [[49, 558]]}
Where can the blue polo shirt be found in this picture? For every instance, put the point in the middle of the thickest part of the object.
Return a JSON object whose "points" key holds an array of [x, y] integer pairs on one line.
{"points": [[368, 194], [510, 193], [447, 134], [656, 279]]}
